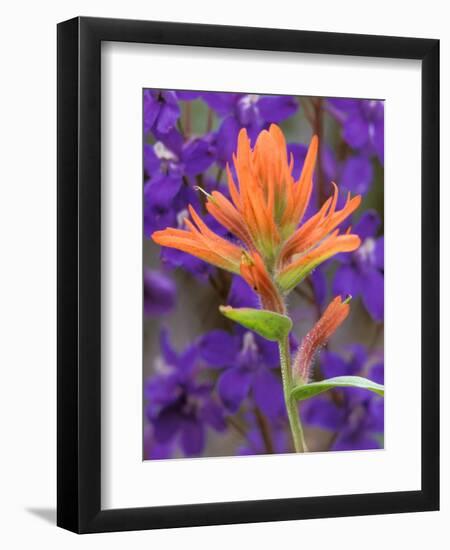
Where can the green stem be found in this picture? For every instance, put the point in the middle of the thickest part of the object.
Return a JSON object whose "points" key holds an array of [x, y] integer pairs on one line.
{"points": [[291, 404]]}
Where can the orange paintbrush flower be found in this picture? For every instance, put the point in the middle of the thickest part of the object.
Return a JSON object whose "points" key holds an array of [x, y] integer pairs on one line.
{"points": [[318, 336], [264, 212]]}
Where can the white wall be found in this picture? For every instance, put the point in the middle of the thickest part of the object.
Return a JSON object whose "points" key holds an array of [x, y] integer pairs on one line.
{"points": [[28, 274]]}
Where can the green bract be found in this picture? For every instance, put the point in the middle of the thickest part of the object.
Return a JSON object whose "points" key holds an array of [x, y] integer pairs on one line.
{"points": [[268, 324]]}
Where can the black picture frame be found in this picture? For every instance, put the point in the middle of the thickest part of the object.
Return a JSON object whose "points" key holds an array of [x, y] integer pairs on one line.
{"points": [[79, 274]]}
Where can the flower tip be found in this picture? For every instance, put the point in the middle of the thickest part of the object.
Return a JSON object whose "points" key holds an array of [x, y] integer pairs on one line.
{"points": [[204, 192], [348, 299], [157, 236], [314, 145], [242, 135]]}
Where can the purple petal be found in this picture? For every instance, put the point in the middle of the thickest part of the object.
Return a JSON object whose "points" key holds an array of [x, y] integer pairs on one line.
{"points": [[156, 218], [174, 258], [375, 413], [222, 103], [377, 373], [192, 437], [188, 358], [345, 105], [298, 152], [346, 281], [247, 113], [373, 294], [161, 190], [169, 354], [219, 348], [268, 354], [333, 365], [160, 392], [212, 414], [168, 113], [357, 174], [197, 157], [355, 441], [233, 387], [151, 110], [227, 139], [151, 161], [277, 108], [159, 293], [166, 425], [153, 449], [188, 96], [323, 413], [241, 294], [172, 140], [356, 131], [367, 225], [358, 358], [268, 393]]}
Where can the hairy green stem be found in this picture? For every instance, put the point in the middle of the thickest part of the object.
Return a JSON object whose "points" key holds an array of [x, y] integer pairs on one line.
{"points": [[291, 404]]}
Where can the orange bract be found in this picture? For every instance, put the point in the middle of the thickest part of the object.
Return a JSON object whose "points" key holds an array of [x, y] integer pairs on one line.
{"points": [[201, 242], [332, 318], [255, 273], [264, 212]]}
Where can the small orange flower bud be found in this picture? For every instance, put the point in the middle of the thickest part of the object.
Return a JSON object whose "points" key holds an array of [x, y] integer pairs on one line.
{"points": [[318, 336]]}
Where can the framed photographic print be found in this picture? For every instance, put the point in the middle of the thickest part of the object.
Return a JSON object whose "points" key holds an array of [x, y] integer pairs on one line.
{"points": [[248, 257]]}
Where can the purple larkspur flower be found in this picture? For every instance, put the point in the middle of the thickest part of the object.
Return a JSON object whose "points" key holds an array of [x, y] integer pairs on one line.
{"points": [[198, 154], [248, 363], [361, 273], [161, 110], [362, 123], [356, 416], [178, 405], [355, 173], [188, 158], [166, 191], [161, 197], [159, 293], [253, 112]]}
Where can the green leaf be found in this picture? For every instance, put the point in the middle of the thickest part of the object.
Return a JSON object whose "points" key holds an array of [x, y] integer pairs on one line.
{"points": [[310, 390], [268, 324]]}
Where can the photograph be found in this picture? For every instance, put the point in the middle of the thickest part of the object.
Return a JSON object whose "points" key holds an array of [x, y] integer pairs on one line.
{"points": [[263, 277], [200, 329]]}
